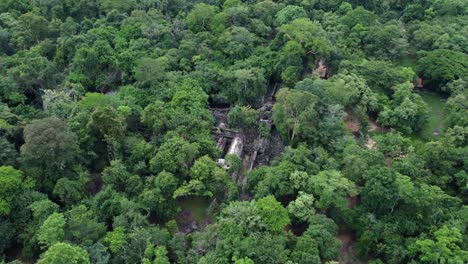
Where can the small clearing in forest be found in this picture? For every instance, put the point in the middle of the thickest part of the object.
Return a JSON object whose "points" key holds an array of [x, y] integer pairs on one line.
{"points": [[437, 116]]}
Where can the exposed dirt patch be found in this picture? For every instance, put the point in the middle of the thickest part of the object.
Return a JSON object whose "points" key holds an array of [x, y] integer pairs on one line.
{"points": [[95, 184], [297, 230], [352, 201], [352, 123], [388, 161], [348, 239], [347, 251], [186, 221], [375, 127]]}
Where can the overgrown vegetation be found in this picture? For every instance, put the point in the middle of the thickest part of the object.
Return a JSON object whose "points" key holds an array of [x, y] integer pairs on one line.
{"points": [[107, 153]]}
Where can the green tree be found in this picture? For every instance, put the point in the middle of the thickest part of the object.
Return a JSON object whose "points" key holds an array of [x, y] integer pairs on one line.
{"points": [[359, 16], [237, 42], [82, 225], [12, 183], [408, 111], [61, 253], [441, 66], [245, 230], [150, 71], [200, 17], [70, 191], [243, 117], [444, 248], [95, 67], [331, 188], [8, 153], [245, 86], [387, 41], [27, 73], [206, 179], [117, 176], [158, 192], [155, 255], [155, 117], [292, 111], [30, 29], [379, 74], [116, 239], [176, 155], [108, 122], [309, 35], [392, 144], [273, 213], [351, 90], [290, 13], [323, 231], [120, 5], [457, 105], [52, 230], [305, 251], [49, 151], [303, 207]]}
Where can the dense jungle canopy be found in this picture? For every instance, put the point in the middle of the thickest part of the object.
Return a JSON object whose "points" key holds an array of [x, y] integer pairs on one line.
{"points": [[233, 131]]}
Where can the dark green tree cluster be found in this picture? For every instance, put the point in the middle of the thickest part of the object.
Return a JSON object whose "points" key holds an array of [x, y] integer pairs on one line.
{"points": [[106, 130]]}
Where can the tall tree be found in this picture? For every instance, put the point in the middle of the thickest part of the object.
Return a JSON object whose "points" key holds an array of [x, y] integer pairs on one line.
{"points": [[12, 183], [49, 152], [292, 111], [61, 253]]}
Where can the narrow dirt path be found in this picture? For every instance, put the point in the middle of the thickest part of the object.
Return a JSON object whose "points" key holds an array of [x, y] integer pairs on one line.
{"points": [[347, 252], [348, 240]]}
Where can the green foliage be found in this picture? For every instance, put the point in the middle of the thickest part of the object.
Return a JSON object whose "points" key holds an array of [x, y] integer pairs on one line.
{"points": [[242, 117], [200, 17], [119, 5], [273, 213], [290, 13], [176, 155], [206, 179], [12, 183], [303, 207], [52, 230], [245, 260], [108, 108], [116, 239], [351, 90], [444, 248], [309, 35], [70, 191], [293, 110], [408, 111], [359, 16], [64, 253], [108, 122], [157, 194], [392, 144], [442, 66], [117, 176], [151, 71], [237, 42], [49, 151], [158, 255], [82, 225], [245, 85], [331, 188], [380, 74], [95, 67]]}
